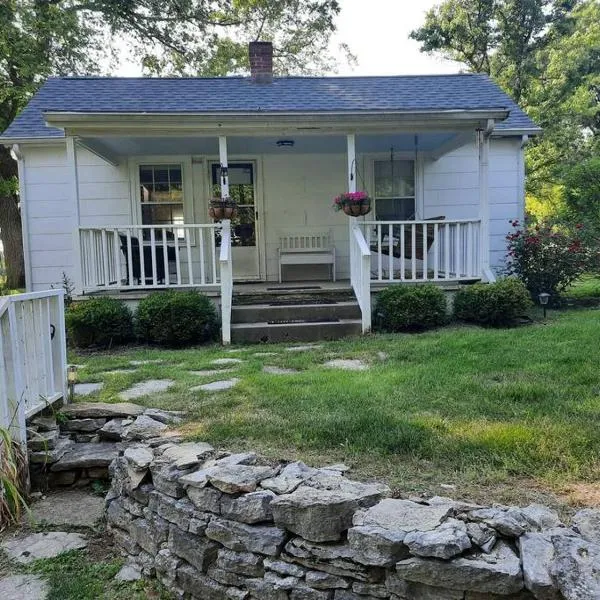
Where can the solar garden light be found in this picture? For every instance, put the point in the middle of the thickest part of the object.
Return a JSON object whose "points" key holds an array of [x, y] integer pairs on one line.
{"points": [[544, 297], [72, 380]]}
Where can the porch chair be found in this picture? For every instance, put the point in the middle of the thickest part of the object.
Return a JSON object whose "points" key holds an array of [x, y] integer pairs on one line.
{"points": [[306, 247], [408, 241], [147, 251]]}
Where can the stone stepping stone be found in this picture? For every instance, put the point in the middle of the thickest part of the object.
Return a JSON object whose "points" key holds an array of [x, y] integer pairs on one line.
{"points": [[272, 370], [210, 372], [43, 545], [382, 355], [86, 456], [216, 386], [145, 388], [100, 410], [305, 348], [120, 372], [226, 361], [129, 572], [24, 587], [76, 508], [86, 389], [347, 364], [140, 363], [261, 354]]}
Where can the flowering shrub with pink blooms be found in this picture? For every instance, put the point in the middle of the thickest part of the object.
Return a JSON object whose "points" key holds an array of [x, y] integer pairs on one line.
{"points": [[350, 198], [547, 258]]}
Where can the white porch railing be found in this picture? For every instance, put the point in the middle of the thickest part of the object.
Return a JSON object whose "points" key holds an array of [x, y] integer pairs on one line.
{"points": [[226, 267], [360, 265], [33, 356], [413, 251], [149, 256]]}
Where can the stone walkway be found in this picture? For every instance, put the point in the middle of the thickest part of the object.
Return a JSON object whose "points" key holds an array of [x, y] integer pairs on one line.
{"points": [[86, 389], [272, 370], [69, 507], [23, 587], [145, 388], [347, 364], [42, 545], [216, 386]]}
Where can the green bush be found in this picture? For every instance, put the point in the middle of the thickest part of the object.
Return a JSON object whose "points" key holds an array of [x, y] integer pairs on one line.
{"points": [[99, 322], [405, 308], [495, 304], [175, 318]]}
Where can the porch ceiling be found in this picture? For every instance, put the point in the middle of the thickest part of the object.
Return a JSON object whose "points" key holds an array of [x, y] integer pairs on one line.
{"points": [[122, 147]]}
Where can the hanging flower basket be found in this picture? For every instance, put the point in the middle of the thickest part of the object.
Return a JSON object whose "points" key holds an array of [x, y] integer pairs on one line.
{"points": [[354, 204], [222, 208]]}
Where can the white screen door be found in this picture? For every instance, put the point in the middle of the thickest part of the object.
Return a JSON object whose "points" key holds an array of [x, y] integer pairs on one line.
{"points": [[244, 232]]}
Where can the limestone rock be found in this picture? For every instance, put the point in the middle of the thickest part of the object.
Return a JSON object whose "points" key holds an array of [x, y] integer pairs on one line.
{"points": [[166, 476], [143, 428], [446, 541], [168, 417], [303, 592], [575, 568], [254, 507], [113, 429], [325, 581], [234, 479], [138, 457], [145, 388], [290, 478], [23, 587], [404, 515], [498, 572], [86, 425], [284, 568], [377, 546], [43, 423], [84, 456], [537, 554], [587, 523], [482, 535], [240, 537], [197, 551], [51, 455], [100, 410], [322, 515], [206, 499], [41, 441], [541, 517], [242, 563], [188, 454], [149, 533], [42, 545], [373, 590], [509, 524], [410, 590], [129, 572], [178, 512]]}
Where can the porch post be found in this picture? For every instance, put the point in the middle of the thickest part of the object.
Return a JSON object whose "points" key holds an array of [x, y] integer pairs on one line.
{"points": [[224, 167], [483, 143], [77, 275], [351, 144]]}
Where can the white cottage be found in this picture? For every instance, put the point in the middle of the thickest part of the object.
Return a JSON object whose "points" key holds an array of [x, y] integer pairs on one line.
{"points": [[116, 177]]}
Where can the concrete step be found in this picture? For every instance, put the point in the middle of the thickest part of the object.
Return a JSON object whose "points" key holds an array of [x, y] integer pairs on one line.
{"points": [[273, 311], [294, 332]]}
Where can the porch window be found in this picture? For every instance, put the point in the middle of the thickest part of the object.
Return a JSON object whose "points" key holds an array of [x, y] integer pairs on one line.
{"points": [[394, 190], [161, 194]]}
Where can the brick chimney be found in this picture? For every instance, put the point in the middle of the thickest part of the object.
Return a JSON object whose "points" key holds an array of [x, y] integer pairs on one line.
{"points": [[261, 61]]}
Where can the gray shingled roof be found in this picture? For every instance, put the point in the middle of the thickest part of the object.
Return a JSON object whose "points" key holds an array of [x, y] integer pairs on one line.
{"points": [[285, 94]]}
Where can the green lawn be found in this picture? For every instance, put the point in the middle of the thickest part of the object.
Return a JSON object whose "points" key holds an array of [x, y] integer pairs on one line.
{"points": [[587, 287], [515, 411]]}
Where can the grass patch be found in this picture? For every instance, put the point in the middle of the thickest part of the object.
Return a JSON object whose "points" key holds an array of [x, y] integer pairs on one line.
{"points": [[587, 286], [73, 576], [479, 408]]}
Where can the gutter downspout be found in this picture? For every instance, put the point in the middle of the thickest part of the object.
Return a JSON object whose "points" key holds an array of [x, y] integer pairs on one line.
{"points": [[483, 139], [17, 155]]}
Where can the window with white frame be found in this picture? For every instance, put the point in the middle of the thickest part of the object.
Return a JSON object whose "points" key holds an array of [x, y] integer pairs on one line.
{"points": [[394, 190], [161, 194]]}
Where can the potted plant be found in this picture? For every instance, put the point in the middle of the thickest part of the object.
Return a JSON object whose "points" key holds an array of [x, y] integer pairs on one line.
{"points": [[222, 208], [354, 204]]}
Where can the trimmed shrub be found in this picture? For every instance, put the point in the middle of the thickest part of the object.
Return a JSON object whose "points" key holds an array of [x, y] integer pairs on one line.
{"points": [[99, 322], [495, 304], [405, 308], [176, 318]]}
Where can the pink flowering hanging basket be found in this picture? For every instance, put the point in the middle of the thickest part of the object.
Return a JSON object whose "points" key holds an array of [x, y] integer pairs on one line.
{"points": [[354, 204]]}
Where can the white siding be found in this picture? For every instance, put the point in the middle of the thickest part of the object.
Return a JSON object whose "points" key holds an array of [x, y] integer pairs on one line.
{"points": [[297, 191]]}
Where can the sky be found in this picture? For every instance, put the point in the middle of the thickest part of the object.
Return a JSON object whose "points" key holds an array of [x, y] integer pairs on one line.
{"points": [[377, 32]]}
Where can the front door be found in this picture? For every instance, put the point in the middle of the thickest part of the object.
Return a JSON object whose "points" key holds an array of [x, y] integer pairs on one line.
{"points": [[244, 230]]}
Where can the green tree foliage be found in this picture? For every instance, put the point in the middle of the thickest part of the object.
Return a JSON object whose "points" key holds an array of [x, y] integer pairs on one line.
{"points": [[546, 55], [582, 191], [39, 38]]}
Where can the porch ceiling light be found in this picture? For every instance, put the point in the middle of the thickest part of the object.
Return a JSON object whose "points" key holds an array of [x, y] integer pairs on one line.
{"points": [[285, 143]]}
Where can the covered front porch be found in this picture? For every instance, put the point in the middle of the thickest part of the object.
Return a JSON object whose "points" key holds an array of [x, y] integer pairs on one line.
{"points": [[284, 182]]}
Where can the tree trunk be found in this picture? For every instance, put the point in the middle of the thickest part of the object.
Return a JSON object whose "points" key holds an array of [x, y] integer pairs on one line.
{"points": [[11, 232]]}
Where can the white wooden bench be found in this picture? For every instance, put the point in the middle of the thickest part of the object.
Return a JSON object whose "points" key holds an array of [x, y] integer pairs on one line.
{"points": [[306, 248]]}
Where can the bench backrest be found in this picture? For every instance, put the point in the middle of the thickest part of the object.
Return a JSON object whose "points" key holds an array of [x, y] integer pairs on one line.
{"points": [[305, 241]]}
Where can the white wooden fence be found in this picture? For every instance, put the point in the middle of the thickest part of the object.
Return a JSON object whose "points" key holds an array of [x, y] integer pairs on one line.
{"points": [[431, 250], [149, 256], [33, 356], [360, 278]]}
